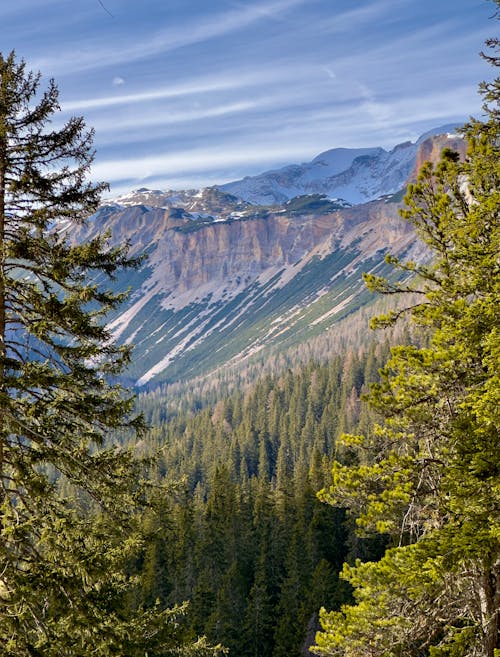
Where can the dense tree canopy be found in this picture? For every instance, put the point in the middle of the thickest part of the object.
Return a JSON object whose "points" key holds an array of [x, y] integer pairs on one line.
{"points": [[428, 475], [246, 540]]}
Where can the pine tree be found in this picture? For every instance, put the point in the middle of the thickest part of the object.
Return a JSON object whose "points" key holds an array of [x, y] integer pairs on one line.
{"points": [[428, 476], [62, 581]]}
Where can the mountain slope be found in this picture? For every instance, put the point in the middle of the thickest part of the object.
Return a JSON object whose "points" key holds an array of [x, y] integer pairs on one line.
{"points": [[215, 291], [226, 279], [355, 175]]}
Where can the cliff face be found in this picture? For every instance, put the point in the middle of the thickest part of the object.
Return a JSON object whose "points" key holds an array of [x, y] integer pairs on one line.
{"points": [[185, 256], [431, 148], [228, 251], [212, 291], [225, 279]]}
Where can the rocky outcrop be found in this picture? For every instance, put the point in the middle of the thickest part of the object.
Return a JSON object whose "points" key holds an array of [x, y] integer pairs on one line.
{"points": [[431, 148]]}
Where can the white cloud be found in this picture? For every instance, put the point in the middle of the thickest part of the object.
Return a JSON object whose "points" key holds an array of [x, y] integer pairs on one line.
{"points": [[207, 84], [330, 72], [98, 55], [283, 142], [257, 84], [109, 128], [357, 17], [194, 161]]}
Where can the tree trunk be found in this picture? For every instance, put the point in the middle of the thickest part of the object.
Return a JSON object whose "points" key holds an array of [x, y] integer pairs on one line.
{"points": [[490, 611]]}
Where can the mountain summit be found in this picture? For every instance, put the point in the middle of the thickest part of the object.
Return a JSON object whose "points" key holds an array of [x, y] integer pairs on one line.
{"points": [[227, 280], [356, 175]]}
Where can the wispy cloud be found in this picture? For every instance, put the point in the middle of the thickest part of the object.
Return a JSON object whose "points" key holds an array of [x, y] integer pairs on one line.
{"points": [[367, 13], [294, 141], [154, 120], [190, 161], [192, 87], [230, 87], [98, 55]]}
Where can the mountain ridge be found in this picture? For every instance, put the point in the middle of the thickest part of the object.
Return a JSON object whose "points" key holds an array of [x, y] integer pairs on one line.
{"points": [[355, 175], [226, 279]]}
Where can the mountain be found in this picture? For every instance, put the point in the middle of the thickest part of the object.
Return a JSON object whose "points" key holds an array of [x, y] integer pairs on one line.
{"points": [[226, 280], [355, 175], [214, 291]]}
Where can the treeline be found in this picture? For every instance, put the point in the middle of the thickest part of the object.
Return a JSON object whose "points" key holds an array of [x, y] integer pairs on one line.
{"points": [[162, 402], [243, 537]]}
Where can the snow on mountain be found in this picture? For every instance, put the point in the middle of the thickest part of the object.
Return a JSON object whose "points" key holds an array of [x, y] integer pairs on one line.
{"points": [[225, 278], [209, 203], [356, 175], [214, 292], [154, 198], [350, 175], [449, 129]]}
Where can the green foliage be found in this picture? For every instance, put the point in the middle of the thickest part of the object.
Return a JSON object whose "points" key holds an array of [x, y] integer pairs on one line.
{"points": [[399, 607], [428, 474], [311, 203], [244, 539], [63, 557]]}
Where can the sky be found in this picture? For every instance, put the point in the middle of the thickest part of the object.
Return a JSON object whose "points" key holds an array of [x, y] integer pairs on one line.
{"points": [[190, 93]]}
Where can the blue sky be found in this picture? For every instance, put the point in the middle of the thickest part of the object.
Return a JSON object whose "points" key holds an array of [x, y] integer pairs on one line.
{"points": [[189, 93]]}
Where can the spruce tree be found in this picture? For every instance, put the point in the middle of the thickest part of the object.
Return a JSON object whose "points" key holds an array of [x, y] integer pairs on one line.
{"points": [[428, 475], [62, 577]]}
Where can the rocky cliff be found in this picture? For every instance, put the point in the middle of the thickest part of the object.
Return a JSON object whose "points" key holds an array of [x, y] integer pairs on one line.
{"points": [[430, 149], [212, 291], [225, 278]]}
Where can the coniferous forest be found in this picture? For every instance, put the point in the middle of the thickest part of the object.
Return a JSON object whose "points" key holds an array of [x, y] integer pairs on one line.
{"points": [[244, 537], [347, 505]]}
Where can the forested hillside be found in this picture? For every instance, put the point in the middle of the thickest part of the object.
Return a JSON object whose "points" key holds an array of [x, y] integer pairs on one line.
{"points": [[244, 537], [427, 473], [415, 485]]}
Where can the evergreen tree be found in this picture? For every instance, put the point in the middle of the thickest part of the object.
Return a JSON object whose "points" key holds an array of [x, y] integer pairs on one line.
{"points": [[62, 581], [428, 475], [258, 623]]}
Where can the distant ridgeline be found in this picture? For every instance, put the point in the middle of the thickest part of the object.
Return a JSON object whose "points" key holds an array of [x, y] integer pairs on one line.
{"points": [[229, 280]]}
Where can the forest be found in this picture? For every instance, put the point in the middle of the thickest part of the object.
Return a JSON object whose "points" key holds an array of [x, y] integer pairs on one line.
{"points": [[344, 502], [243, 537]]}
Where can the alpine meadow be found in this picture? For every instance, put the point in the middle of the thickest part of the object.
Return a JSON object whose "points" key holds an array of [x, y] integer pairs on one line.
{"points": [[279, 481]]}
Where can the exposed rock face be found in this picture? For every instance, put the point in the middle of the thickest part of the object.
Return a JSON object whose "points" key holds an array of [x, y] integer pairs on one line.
{"points": [[225, 251], [225, 278], [431, 148], [186, 256], [212, 291]]}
